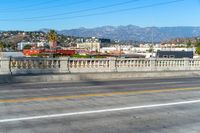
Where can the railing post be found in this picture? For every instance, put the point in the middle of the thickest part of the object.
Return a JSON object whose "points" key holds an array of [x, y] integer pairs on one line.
{"points": [[5, 66], [112, 64], [186, 64], [64, 65], [153, 64]]}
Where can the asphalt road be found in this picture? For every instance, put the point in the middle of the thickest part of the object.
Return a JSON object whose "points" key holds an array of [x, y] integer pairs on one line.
{"points": [[139, 106]]}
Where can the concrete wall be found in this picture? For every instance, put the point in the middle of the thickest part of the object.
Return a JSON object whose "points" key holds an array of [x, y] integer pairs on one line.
{"points": [[89, 77]]}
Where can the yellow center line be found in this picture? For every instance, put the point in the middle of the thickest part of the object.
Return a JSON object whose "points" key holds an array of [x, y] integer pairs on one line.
{"points": [[24, 100]]}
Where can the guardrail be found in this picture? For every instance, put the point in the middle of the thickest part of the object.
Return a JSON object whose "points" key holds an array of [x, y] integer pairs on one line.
{"points": [[74, 65]]}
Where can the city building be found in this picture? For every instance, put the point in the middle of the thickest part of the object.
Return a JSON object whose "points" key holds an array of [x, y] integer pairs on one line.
{"points": [[90, 44]]}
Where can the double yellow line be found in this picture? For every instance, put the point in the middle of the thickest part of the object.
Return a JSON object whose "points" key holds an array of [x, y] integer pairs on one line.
{"points": [[49, 98]]}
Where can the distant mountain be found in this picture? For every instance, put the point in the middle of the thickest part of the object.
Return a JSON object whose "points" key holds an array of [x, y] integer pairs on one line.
{"points": [[44, 30], [135, 33]]}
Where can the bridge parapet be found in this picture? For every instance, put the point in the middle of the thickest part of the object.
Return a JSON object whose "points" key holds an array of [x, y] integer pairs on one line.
{"points": [[89, 65], [35, 65], [5, 66], [74, 65]]}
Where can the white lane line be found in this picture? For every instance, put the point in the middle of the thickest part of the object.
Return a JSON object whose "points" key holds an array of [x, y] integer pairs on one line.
{"points": [[97, 111]]}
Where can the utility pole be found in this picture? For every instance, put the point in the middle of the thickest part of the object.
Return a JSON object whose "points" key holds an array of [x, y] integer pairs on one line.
{"points": [[152, 42], [152, 36], [120, 50]]}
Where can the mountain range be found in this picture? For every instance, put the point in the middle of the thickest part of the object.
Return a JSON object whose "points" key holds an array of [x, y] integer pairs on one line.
{"points": [[134, 33]]}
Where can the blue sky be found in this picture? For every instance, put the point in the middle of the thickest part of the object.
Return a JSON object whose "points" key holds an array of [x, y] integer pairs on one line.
{"points": [[67, 14]]}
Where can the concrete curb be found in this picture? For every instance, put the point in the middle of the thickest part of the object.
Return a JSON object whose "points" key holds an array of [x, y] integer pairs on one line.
{"points": [[5, 79], [95, 76]]}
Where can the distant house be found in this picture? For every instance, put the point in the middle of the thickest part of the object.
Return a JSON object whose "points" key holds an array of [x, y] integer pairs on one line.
{"points": [[175, 54]]}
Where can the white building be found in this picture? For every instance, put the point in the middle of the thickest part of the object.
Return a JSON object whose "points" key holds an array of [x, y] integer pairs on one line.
{"points": [[123, 48], [108, 49], [91, 46], [21, 45]]}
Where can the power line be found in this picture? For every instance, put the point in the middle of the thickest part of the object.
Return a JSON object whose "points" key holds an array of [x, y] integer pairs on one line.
{"points": [[49, 7], [84, 10], [117, 11], [31, 5], [61, 5], [101, 13]]}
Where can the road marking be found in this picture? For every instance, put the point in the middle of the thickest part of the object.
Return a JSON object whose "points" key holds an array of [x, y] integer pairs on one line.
{"points": [[97, 111], [35, 99]]}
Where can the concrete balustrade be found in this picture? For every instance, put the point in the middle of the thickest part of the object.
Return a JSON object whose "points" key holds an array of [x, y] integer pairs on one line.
{"points": [[124, 65], [5, 66], [89, 65], [74, 65], [35, 65]]}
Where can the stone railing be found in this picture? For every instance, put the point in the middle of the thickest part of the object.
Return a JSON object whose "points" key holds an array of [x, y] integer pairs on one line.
{"points": [[5, 66], [91, 65], [36, 65], [73, 65]]}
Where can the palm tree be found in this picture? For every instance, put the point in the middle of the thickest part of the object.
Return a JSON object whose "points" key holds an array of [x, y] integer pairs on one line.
{"points": [[52, 37]]}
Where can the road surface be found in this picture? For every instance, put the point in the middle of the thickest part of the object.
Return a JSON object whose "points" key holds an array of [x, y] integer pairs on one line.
{"points": [[126, 106]]}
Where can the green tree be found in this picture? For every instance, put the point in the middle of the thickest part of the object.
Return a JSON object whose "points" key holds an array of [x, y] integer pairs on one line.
{"points": [[198, 44], [27, 47], [198, 48], [1, 46], [53, 37], [189, 44], [47, 47]]}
